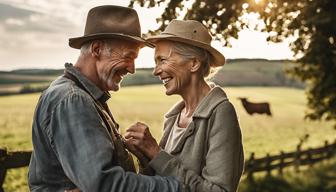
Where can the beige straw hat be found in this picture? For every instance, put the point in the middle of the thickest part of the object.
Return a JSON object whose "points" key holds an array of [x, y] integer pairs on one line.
{"points": [[192, 33]]}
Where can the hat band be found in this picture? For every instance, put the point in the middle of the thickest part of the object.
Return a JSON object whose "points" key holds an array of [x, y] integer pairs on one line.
{"points": [[165, 33]]}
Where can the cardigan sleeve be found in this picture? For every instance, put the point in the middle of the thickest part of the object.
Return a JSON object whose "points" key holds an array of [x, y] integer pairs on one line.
{"points": [[224, 158]]}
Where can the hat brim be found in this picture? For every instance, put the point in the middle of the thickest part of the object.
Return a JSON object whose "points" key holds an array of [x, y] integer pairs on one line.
{"points": [[77, 42], [218, 58]]}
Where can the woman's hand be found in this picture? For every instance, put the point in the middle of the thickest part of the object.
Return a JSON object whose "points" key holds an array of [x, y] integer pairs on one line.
{"points": [[140, 136], [143, 160]]}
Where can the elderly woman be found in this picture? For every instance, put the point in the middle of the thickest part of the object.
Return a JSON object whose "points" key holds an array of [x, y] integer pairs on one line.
{"points": [[201, 143]]}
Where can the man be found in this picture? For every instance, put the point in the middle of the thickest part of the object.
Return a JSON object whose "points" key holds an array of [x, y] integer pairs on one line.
{"points": [[75, 138]]}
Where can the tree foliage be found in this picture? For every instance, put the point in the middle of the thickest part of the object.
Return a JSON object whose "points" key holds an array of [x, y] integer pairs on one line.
{"points": [[311, 23]]}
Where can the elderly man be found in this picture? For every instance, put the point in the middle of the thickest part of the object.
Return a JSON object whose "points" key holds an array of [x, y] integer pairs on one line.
{"points": [[75, 138]]}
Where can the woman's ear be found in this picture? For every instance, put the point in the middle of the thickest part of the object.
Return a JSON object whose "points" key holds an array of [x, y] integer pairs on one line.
{"points": [[196, 64]]}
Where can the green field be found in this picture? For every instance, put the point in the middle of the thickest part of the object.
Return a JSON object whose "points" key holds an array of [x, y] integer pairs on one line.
{"points": [[251, 72], [262, 134]]}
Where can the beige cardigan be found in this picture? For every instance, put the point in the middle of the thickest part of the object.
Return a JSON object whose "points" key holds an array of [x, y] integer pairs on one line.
{"points": [[209, 157]]}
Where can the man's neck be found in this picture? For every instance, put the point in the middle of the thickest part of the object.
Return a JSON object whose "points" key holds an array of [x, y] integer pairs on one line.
{"points": [[87, 66]]}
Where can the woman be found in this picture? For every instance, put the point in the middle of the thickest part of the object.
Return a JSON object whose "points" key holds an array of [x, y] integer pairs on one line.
{"points": [[201, 144]]}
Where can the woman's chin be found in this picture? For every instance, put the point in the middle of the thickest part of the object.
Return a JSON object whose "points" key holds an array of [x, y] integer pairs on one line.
{"points": [[169, 92]]}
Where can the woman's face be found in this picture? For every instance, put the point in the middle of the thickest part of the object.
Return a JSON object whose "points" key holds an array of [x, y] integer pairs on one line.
{"points": [[172, 68]]}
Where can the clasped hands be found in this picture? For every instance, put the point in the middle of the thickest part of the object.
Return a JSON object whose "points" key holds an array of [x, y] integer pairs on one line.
{"points": [[141, 143]]}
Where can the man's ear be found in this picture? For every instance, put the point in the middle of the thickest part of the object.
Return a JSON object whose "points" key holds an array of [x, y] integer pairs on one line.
{"points": [[196, 64], [96, 48]]}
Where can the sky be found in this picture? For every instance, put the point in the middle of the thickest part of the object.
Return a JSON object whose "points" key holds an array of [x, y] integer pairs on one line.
{"points": [[35, 33]]}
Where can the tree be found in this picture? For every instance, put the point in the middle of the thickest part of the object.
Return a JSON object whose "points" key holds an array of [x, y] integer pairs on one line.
{"points": [[310, 22]]}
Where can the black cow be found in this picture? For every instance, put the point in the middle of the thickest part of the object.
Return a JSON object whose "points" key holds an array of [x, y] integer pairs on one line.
{"points": [[256, 107]]}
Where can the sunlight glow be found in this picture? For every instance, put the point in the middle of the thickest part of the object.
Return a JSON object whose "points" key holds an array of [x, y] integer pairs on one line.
{"points": [[257, 1]]}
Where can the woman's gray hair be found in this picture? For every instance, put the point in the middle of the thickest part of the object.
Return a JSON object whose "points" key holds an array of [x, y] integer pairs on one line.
{"points": [[191, 52]]}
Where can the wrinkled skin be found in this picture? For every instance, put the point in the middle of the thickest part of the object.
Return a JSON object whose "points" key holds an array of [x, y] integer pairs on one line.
{"points": [[139, 136], [170, 65], [179, 76], [112, 65]]}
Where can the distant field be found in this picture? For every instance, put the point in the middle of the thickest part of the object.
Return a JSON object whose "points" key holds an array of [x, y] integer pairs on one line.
{"points": [[237, 72], [261, 134], [11, 78], [254, 72]]}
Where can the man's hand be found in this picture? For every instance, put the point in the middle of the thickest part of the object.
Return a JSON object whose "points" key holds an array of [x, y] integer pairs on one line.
{"points": [[140, 136]]}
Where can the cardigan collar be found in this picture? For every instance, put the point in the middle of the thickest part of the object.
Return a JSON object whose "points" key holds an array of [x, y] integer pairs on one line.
{"points": [[205, 107]]}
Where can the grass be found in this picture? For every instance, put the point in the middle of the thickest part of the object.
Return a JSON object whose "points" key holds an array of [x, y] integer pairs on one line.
{"points": [[320, 178], [262, 134]]}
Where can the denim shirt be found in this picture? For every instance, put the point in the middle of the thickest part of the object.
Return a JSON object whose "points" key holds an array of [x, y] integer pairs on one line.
{"points": [[72, 147]]}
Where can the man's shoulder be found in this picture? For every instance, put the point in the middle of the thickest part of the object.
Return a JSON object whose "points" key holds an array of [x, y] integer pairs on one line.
{"points": [[61, 89]]}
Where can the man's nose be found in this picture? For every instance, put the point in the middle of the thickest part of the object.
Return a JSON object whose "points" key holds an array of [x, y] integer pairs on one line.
{"points": [[131, 67], [157, 70]]}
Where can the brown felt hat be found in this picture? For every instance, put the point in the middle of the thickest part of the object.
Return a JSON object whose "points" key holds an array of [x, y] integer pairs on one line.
{"points": [[110, 22], [192, 33]]}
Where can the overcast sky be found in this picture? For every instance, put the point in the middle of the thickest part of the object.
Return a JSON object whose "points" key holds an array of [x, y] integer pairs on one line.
{"points": [[35, 33]]}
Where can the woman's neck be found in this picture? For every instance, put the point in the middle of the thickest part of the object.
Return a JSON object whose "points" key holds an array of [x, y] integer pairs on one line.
{"points": [[193, 96]]}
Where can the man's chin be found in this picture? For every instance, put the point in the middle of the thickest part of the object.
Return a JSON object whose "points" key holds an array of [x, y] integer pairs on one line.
{"points": [[114, 87]]}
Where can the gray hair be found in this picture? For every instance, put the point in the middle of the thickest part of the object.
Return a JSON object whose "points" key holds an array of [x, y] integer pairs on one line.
{"points": [[191, 52], [86, 47]]}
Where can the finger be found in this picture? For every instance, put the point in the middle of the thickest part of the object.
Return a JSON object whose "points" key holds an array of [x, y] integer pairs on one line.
{"points": [[132, 141], [127, 135], [132, 128], [128, 142], [129, 145], [134, 135], [142, 125]]}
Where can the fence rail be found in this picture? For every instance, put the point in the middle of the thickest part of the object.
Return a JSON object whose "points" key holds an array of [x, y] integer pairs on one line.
{"points": [[11, 160], [283, 160]]}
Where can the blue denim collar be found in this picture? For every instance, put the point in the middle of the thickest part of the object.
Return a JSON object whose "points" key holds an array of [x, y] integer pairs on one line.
{"points": [[93, 90]]}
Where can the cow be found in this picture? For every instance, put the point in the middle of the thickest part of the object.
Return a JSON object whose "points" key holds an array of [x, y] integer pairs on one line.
{"points": [[256, 107]]}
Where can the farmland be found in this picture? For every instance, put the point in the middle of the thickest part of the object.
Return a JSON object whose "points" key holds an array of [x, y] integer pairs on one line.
{"points": [[262, 134], [251, 72]]}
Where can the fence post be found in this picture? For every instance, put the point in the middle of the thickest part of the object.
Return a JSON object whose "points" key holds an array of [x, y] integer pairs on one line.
{"points": [[333, 148], [327, 150], [250, 165], [297, 158], [309, 157], [282, 160], [3, 154], [268, 164]]}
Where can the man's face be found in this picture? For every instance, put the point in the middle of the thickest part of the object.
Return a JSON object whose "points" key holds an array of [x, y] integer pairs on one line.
{"points": [[115, 62]]}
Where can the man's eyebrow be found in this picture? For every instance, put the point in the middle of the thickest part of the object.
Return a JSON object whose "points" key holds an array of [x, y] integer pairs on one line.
{"points": [[131, 54]]}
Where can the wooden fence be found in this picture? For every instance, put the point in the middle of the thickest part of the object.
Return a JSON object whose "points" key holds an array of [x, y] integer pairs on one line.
{"points": [[10, 160], [289, 159]]}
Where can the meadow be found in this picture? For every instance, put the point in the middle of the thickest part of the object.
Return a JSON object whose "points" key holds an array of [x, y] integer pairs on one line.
{"points": [[261, 134], [251, 72]]}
